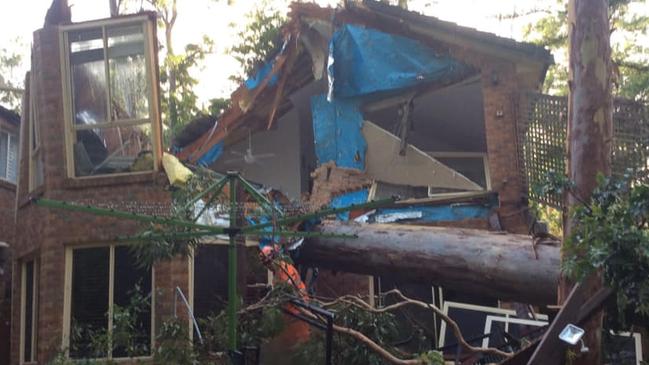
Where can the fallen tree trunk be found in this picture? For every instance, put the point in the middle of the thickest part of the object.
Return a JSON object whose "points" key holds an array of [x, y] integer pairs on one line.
{"points": [[498, 265]]}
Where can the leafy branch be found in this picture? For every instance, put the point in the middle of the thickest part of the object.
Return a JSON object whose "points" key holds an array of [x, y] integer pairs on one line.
{"points": [[611, 235]]}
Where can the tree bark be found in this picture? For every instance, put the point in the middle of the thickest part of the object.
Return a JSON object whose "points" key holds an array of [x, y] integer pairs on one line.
{"points": [[497, 265], [589, 128]]}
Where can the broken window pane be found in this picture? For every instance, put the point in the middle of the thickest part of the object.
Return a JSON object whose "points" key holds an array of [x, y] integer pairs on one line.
{"points": [[127, 69], [113, 150], [132, 298], [89, 311], [88, 74]]}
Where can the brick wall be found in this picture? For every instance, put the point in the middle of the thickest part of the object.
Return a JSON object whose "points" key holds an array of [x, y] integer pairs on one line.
{"points": [[7, 216], [45, 233]]}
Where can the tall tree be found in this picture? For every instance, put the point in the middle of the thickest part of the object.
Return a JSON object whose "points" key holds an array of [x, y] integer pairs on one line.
{"points": [[10, 89], [590, 128], [179, 101], [259, 38], [627, 25]]}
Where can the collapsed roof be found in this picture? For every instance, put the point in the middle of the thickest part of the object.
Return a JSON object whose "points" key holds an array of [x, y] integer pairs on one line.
{"points": [[321, 44]]}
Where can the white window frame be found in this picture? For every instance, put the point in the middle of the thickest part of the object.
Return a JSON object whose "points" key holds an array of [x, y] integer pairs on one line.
{"points": [[506, 313], [637, 337], [23, 310], [4, 133], [153, 100], [507, 321], [67, 301], [467, 155]]}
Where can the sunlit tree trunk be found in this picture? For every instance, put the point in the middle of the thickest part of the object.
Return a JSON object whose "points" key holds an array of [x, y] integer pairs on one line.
{"points": [[589, 128]]}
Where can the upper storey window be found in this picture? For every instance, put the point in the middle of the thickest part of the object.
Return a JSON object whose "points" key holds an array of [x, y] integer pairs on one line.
{"points": [[112, 108], [8, 156]]}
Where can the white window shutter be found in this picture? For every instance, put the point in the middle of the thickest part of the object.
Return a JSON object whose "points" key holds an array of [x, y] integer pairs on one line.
{"points": [[12, 159], [4, 154]]}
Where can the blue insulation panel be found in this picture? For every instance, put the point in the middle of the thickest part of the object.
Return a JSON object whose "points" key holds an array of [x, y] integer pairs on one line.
{"points": [[212, 155], [347, 199], [337, 132], [444, 212], [366, 61]]}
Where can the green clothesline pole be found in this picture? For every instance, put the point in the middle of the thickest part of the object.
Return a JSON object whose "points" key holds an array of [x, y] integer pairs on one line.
{"points": [[199, 234], [107, 212]]}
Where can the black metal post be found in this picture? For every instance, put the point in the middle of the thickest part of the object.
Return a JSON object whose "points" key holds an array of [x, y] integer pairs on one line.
{"points": [[330, 332]]}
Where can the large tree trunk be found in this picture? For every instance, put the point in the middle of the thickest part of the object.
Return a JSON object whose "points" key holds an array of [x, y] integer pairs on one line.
{"points": [[589, 127], [498, 265]]}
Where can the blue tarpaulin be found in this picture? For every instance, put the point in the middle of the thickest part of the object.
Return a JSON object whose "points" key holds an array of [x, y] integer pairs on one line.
{"points": [[212, 155], [260, 75], [347, 199], [364, 61], [337, 132]]}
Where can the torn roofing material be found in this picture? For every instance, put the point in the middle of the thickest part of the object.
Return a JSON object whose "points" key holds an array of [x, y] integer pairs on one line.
{"points": [[310, 26], [429, 25], [367, 61]]}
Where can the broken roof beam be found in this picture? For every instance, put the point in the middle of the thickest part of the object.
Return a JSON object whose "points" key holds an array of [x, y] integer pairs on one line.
{"points": [[493, 264]]}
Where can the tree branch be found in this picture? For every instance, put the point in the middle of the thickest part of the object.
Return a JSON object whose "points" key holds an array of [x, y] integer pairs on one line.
{"points": [[350, 299]]}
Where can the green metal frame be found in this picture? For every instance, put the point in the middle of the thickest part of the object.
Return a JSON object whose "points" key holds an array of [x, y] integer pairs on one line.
{"points": [[233, 231]]}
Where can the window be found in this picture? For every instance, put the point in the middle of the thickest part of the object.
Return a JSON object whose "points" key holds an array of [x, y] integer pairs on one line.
{"points": [[35, 155], [8, 156], [28, 311], [111, 113], [209, 295], [109, 304]]}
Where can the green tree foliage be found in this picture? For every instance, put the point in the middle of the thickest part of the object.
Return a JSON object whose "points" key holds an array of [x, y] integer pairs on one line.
{"points": [[611, 235], [260, 38], [631, 58], [179, 102], [10, 84]]}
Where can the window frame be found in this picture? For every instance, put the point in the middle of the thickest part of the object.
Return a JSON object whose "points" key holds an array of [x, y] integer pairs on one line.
{"points": [[34, 140], [6, 133], [67, 301], [23, 310], [150, 59], [468, 155]]}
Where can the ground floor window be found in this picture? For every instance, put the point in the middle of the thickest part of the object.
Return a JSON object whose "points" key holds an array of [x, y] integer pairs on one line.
{"points": [[210, 289], [110, 303], [28, 311]]}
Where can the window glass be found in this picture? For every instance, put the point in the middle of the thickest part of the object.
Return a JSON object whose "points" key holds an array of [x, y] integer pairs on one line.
{"points": [[132, 305], [12, 159], [127, 69], [110, 92], [90, 284], [4, 154], [29, 312], [36, 158], [113, 150], [88, 74], [210, 296]]}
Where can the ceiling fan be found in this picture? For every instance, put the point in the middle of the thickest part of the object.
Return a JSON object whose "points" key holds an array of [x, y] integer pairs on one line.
{"points": [[249, 157]]}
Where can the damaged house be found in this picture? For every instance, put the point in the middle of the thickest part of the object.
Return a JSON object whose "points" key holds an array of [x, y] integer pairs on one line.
{"points": [[358, 103], [370, 101]]}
